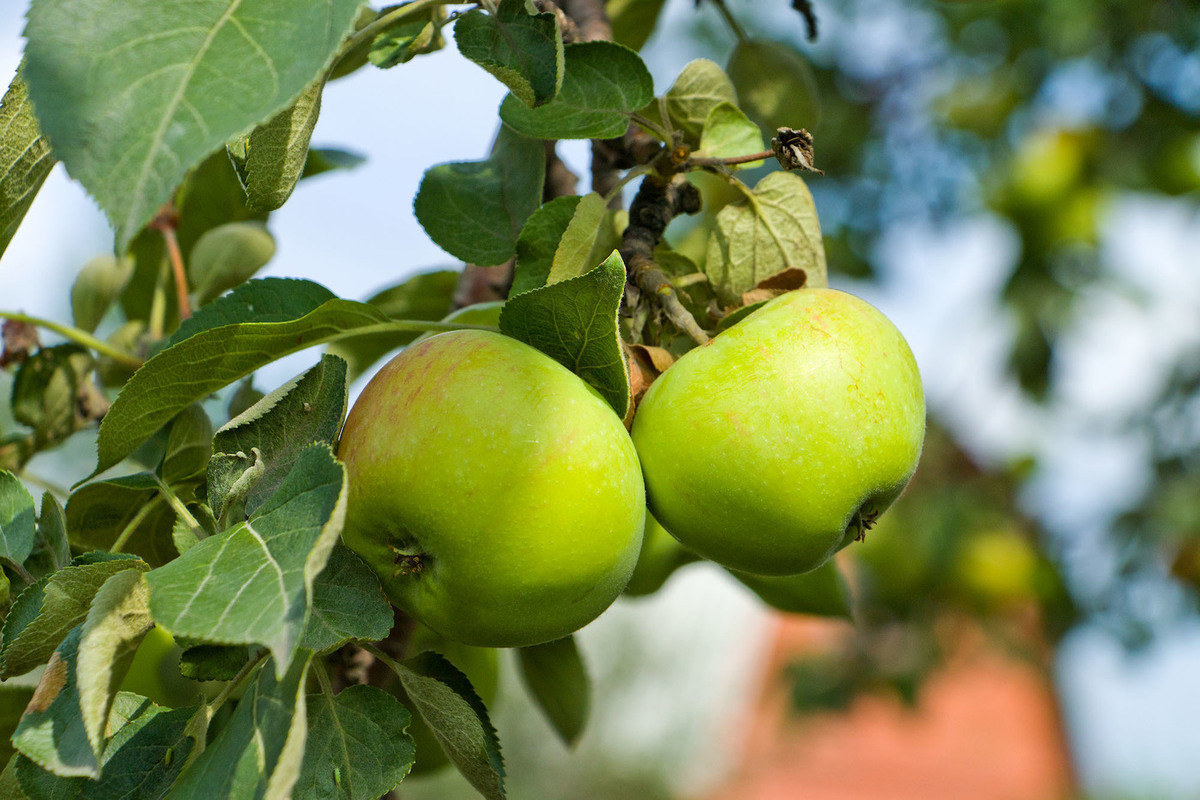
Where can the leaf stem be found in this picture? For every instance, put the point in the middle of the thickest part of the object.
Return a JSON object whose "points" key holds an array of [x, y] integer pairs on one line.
{"points": [[78, 336], [734, 25], [323, 678], [173, 500], [229, 688], [632, 174], [407, 326], [386, 20], [701, 161], [138, 518], [166, 226], [662, 133]]}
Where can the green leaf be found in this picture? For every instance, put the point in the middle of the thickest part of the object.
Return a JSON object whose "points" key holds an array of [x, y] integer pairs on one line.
{"points": [[98, 513], [116, 623], [254, 584], [227, 256], [822, 592], [700, 87], [604, 83], [328, 159], [53, 395], [46, 611], [427, 296], [347, 605], [558, 679], [18, 523], [25, 158], [265, 300], [357, 747], [774, 229], [52, 732], [213, 662], [51, 547], [187, 445], [271, 159], [575, 323], [539, 241], [453, 711], [307, 409], [633, 20], [403, 42], [577, 252], [205, 355], [776, 85], [99, 283], [142, 759], [729, 133], [474, 210], [133, 93], [523, 51], [258, 753]]}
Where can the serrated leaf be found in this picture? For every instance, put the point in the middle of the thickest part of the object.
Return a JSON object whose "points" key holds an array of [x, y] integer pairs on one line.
{"points": [[633, 20], [213, 662], [557, 678], [48, 392], [97, 286], [775, 85], [187, 445], [51, 547], [258, 753], [142, 759], [575, 323], [116, 622], [347, 605], [98, 513], [208, 355], [822, 592], [46, 611], [307, 409], [271, 159], [458, 719], [538, 242], [574, 254], [254, 584], [729, 133], [774, 229], [603, 84], [357, 747], [428, 296], [25, 158], [523, 51], [18, 520], [227, 256], [51, 732], [407, 40], [474, 210], [133, 93], [700, 87]]}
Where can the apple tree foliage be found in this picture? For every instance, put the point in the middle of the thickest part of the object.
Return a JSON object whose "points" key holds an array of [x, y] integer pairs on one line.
{"points": [[217, 521]]}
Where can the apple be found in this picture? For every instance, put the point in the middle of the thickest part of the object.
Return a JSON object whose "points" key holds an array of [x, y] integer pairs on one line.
{"points": [[780, 441], [498, 498]]}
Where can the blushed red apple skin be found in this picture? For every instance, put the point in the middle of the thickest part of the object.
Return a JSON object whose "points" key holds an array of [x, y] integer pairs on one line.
{"points": [[761, 448], [512, 487]]}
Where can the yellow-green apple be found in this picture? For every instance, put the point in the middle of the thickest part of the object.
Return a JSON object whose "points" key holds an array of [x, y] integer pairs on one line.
{"points": [[781, 440], [496, 495]]}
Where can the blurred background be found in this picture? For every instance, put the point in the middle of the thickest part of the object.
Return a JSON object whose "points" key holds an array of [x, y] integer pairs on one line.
{"points": [[1016, 183]]}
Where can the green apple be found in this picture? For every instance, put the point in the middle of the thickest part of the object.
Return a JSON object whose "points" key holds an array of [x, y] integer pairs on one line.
{"points": [[781, 440], [496, 495]]}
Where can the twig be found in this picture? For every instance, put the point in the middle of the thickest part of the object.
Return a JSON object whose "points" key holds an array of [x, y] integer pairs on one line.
{"points": [[165, 223], [734, 25], [78, 336], [138, 519]]}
